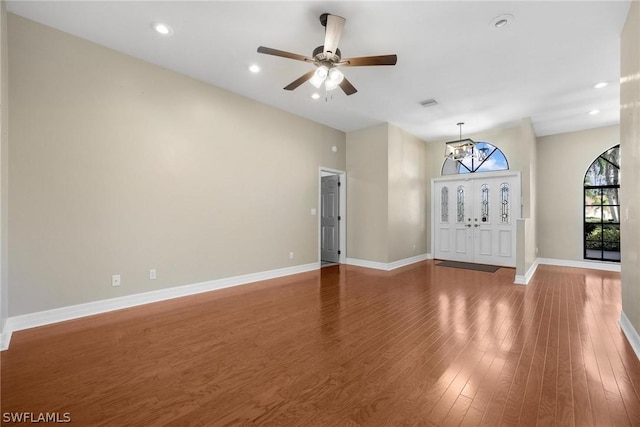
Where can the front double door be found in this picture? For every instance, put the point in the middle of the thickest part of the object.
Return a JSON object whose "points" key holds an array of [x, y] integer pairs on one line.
{"points": [[475, 218]]}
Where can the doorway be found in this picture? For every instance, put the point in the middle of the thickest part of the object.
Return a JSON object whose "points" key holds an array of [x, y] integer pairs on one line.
{"points": [[332, 217], [474, 218]]}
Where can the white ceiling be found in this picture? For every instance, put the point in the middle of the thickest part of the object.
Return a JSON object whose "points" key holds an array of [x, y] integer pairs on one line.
{"points": [[543, 65]]}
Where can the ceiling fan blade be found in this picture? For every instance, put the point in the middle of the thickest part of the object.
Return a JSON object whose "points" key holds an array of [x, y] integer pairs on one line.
{"points": [[369, 60], [333, 32], [347, 87], [283, 54], [294, 84]]}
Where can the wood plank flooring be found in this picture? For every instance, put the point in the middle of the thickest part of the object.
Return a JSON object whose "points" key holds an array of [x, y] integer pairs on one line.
{"points": [[344, 345]]}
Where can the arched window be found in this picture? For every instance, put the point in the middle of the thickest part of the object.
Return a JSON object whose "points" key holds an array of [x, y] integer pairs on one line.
{"points": [[488, 158], [602, 207]]}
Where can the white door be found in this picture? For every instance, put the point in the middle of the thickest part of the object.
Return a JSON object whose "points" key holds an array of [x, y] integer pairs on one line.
{"points": [[496, 200], [475, 219], [453, 221], [330, 219]]}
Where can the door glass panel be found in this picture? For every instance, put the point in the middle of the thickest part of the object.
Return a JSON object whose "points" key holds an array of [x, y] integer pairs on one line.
{"points": [[504, 203], [460, 204], [444, 204], [484, 203]]}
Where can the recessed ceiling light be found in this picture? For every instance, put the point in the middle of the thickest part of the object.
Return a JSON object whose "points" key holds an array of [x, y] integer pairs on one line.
{"points": [[502, 21], [594, 112], [315, 95], [600, 85], [161, 28], [254, 68]]}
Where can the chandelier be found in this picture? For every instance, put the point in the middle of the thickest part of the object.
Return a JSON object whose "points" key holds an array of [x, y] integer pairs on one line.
{"points": [[462, 149]]}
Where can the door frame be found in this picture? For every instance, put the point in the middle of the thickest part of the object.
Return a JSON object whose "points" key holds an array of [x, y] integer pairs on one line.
{"points": [[324, 171], [469, 177]]}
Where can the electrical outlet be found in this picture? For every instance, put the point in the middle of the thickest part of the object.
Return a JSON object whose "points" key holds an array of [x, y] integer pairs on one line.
{"points": [[290, 255], [152, 274], [115, 280]]}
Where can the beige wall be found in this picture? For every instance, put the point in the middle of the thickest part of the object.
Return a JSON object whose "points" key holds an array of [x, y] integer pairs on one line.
{"points": [[408, 204], [367, 190], [386, 199], [563, 160], [630, 153], [118, 166], [4, 166]]}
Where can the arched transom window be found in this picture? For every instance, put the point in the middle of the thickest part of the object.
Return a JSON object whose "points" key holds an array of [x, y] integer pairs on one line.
{"points": [[487, 158]]}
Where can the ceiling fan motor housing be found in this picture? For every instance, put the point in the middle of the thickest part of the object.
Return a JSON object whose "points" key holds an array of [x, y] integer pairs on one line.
{"points": [[319, 55]]}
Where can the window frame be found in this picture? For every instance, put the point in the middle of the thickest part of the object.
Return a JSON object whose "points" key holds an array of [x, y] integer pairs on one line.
{"points": [[475, 165], [602, 224]]}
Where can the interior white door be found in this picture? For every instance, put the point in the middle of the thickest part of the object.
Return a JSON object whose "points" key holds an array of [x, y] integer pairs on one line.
{"points": [[475, 219]]}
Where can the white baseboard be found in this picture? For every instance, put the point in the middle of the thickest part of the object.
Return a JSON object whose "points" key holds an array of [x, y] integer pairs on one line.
{"points": [[631, 334], [368, 264], [388, 266], [524, 279], [594, 265], [408, 261], [32, 320]]}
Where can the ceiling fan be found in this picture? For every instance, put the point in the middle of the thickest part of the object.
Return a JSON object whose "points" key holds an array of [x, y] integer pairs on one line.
{"points": [[327, 58]]}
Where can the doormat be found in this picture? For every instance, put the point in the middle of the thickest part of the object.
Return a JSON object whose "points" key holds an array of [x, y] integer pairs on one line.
{"points": [[469, 266]]}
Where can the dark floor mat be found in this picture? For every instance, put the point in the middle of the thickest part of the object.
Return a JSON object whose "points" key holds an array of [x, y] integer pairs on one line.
{"points": [[469, 266]]}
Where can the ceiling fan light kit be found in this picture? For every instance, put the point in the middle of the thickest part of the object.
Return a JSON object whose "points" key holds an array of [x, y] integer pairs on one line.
{"points": [[334, 79], [319, 76], [328, 57]]}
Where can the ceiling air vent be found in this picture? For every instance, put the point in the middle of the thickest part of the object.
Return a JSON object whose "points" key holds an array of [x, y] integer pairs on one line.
{"points": [[429, 103]]}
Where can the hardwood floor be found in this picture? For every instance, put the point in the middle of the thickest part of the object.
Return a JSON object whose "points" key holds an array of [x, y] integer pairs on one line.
{"points": [[344, 346]]}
